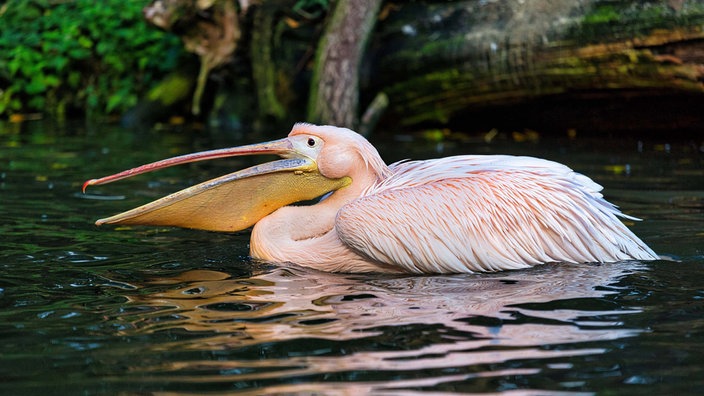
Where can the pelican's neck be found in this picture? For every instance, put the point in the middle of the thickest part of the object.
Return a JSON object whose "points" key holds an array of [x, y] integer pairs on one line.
{"points": [[361, 181], [306, 234], [306, 222]]}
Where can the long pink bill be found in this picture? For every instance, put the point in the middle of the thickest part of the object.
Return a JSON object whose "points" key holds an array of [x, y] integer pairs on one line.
{"points": [[279, 147]]}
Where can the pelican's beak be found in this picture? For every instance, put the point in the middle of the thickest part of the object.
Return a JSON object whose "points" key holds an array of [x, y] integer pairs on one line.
{"points": [[235, 201]]}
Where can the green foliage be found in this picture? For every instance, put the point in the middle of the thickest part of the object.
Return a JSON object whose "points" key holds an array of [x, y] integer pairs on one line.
{"points": [[87, 56]]}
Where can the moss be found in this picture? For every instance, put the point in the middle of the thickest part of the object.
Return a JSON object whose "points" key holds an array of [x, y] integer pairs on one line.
{"points": [[589, 68], [172, 89], [619, 20], [604, 14], [265, 70]]}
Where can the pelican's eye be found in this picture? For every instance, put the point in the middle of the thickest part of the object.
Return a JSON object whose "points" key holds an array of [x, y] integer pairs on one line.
{"points": [[311, 142]]}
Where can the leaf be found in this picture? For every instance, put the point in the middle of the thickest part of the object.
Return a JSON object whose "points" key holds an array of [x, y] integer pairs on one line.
{"points": [[36, 85], [58, 62], [13, 66], [74, 79], [85, 42], [103, 47], [79, 53], [52, 81], [143, 62]]}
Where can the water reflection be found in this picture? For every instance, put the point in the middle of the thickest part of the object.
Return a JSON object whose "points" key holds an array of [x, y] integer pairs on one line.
{"points": [[461, 324]]}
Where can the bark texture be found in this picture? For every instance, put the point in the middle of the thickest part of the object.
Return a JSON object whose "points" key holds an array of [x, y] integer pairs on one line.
{"points": [[438, 62], [334, 97]]}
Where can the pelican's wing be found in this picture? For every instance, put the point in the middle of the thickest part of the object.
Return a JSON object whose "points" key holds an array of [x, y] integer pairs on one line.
{"points": [[486, 213]]}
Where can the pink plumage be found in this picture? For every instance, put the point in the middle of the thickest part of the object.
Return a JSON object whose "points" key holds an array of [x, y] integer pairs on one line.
{"points": [[455, 214], [466, 213]]}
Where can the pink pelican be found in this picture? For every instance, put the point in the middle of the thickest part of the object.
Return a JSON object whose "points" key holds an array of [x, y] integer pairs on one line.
{"points": [[469, 213]]}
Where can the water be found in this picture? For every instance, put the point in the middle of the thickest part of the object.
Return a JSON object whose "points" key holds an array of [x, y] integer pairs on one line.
{"points": [[136, 310]]}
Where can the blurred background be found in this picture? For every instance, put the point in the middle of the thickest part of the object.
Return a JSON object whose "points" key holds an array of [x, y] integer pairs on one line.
{"points": [[560, 67]]}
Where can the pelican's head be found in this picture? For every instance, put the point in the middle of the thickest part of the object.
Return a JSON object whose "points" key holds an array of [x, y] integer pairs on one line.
{"points": [[340, 152], [315, 161]]}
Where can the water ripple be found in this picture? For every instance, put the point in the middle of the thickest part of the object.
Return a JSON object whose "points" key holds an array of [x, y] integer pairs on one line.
{"points": [[310, 323]]}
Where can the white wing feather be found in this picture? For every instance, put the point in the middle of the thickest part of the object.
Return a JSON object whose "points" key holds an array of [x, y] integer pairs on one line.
{"points": [[486, 213]]}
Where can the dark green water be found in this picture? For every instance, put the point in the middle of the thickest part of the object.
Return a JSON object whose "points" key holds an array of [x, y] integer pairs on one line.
{"points": [[87, 310]]}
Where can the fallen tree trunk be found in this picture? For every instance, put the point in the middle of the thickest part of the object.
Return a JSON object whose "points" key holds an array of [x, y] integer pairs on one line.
{"points": [[548, 62], [538, 49]]}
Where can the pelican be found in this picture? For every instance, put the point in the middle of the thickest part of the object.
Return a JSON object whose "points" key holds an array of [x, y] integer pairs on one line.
{"points": [[461, 214]]}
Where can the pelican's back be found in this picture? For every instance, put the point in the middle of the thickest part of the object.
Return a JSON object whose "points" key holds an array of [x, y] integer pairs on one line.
{"points": [[486, 213]]}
